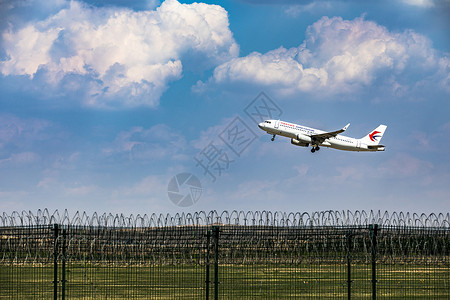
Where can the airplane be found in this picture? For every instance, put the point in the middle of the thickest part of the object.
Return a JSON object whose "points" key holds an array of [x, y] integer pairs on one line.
{"points": [[304, 136]]}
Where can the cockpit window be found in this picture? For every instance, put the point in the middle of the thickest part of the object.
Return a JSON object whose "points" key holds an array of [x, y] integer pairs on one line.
{"points": [[267, 122]]}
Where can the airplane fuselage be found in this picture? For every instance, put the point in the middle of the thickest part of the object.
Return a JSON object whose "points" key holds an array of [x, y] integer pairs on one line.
{"points": [[304, 136]]}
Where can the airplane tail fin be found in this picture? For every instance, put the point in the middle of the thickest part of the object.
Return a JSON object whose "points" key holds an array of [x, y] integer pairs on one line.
{"points": [[374, 137]]}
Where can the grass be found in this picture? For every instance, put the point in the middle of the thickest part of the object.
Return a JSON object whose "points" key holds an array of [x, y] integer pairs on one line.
{"points": [[250, 281]]}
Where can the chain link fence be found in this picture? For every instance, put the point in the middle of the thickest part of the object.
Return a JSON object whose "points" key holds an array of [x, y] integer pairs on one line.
{"points": [[237, 255]]}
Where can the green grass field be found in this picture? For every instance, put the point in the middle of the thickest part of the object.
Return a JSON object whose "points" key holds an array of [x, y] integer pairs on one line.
{"points": [[252, 281]]}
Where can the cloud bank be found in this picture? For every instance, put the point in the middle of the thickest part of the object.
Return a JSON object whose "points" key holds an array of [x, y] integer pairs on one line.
{"points": [[340, 57], [111, 57], [121, 58]]}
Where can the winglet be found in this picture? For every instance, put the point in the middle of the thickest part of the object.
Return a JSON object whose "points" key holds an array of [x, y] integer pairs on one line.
{"points": [[346, 126]]}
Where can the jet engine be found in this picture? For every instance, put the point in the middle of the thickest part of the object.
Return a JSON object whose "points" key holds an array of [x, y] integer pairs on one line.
{"points": [[299, 143]]}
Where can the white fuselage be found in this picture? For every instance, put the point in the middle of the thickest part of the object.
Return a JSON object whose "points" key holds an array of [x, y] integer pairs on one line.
{"points": [[303, 136]]}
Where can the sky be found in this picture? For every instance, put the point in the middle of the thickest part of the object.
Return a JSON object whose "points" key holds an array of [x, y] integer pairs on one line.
{"points": [[141, 107]]}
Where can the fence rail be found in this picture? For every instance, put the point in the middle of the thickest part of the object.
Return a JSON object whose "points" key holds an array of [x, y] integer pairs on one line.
{"points": [[253, 255]]}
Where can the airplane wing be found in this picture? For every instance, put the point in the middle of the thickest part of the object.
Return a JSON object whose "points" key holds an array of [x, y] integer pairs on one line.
{"points": [[326, 135]]}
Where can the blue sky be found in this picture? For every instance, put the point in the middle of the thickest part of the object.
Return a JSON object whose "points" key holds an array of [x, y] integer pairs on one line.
{"points": [[103, 102]]}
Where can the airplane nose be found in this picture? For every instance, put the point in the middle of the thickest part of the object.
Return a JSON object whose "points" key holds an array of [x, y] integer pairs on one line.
{"points": [[261, 125]]}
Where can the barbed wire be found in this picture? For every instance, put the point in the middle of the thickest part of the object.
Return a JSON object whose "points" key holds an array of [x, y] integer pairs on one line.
{"points": [[246, 218]]}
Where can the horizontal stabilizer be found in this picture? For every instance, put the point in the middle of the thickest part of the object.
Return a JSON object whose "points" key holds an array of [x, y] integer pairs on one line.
{"points": [[377, 147]]}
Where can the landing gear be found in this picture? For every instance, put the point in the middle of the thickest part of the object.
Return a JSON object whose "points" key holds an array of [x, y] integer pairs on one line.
{"points": [[314, 149], [273, 138]]}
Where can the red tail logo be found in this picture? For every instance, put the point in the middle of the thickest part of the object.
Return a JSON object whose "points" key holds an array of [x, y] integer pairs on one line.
{"points": [[373, 136]]}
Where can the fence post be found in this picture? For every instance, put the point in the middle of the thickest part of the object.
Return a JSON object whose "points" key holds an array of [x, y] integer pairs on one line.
{"points": [[373, 235], [63, 280], [55, 262], [208, 244], [215, 230], [349, 265]]}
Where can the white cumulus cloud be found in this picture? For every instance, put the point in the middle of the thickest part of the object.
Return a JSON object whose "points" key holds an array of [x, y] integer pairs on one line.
{"points": [[338, 57], [122, 57]]}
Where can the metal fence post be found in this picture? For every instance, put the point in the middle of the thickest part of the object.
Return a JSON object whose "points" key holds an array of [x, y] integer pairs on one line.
{"points": [[55, 262], [373, 235], [63, 280], [349, 265], [208, 244], [215, 230]]}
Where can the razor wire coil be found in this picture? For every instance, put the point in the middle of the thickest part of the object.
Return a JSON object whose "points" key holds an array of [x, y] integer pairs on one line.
{"points": [[246, 218]]}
